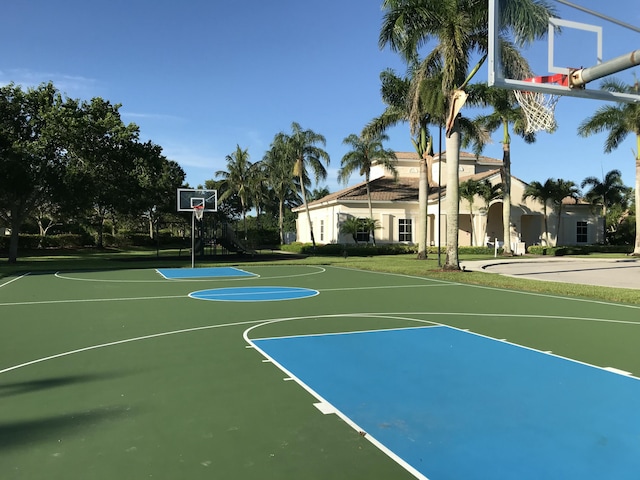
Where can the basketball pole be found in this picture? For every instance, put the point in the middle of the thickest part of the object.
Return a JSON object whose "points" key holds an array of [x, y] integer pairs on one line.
{"points": [[193, 239], [579, 78]]}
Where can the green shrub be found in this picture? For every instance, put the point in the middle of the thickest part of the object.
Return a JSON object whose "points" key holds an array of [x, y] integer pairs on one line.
{"points": [[578, 249]]}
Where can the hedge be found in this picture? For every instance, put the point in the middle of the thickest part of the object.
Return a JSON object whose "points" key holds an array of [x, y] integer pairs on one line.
{"points": [[366, 250], [578, 249], [33, 242]]}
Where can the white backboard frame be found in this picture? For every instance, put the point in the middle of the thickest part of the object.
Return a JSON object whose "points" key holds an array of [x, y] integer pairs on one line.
{"points": [[497, 79]]}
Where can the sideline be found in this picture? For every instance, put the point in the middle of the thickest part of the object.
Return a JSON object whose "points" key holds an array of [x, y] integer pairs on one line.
{"points": [[14, 279]]}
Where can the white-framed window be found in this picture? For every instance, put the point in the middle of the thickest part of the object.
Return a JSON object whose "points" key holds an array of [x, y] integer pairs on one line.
{"points": [[404, 230], [581, 232], [322, 230], [363, 233]]}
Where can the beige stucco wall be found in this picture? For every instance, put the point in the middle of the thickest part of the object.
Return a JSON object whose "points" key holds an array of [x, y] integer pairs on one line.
{"points": [[526, 216]]}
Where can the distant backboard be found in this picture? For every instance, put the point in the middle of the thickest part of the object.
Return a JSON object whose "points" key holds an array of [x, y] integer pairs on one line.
{"points": [[584, 47], [189, 198]]}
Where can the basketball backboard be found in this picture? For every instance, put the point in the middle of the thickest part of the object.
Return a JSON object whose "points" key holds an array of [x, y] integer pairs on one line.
{"points": [[189, 198], [579, 49]]}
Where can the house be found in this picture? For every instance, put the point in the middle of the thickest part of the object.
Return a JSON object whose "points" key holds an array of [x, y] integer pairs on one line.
{"points": [[395, 207]]}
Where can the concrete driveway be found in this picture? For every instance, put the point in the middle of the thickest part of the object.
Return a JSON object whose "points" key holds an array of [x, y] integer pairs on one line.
{"points": [[620, 273]]}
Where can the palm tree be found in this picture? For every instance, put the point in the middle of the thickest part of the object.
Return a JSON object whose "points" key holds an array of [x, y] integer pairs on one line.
{"points": [[608, 192], [318, 193], [278, 166], [237, 179], [460, 30], [258, 189], [471, 188], [505, 112], [552, 192], [543, 193], [468, 190], [619, 120], [406, 98], [366, 150], [488, 193], [351, 226], [563, 189], [302, 148]]}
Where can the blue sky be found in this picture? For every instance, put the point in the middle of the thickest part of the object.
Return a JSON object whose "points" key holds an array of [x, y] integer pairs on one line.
{"points": [[200, 76]]}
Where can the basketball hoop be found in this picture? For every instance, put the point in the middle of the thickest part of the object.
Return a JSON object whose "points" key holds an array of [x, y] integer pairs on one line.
{"points": [[539, 108], [198, 211]]}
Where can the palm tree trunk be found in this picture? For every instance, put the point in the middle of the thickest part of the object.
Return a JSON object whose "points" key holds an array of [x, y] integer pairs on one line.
{"points": [[636, 250], [371, 232], [546, 226], [422, 208], [506, 198], [471, 220], [453, 203], [281, 219], [303, 191], [558, 225]]}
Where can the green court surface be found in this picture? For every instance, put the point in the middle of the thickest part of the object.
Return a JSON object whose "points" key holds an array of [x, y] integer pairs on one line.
{"points": [[121, 374]]}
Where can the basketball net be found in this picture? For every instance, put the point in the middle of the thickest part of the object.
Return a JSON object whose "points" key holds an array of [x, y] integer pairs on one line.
{"points": [[539, 108], [198, 211]]}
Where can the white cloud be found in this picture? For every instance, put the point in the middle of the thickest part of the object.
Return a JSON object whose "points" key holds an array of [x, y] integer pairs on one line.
{"points": [[70, 85]]}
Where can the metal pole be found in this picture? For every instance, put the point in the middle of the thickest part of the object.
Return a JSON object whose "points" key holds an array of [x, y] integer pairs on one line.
{"points": [[439, 191], [193, 239], [585, 75]]}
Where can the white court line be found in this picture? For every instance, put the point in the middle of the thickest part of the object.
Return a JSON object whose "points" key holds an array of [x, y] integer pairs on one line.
{"points": [[122, 299], [222, 277], [317, 271], [519, 292], [14, 279], [120, 342], [89, 300]]}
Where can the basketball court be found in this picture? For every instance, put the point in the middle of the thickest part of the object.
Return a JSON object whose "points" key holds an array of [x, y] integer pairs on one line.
{"points": [[321, 372], [311, 371]]}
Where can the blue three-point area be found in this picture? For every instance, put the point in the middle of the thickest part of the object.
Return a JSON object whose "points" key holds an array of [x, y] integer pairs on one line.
{"points": [[455, 405], [253, 294]]}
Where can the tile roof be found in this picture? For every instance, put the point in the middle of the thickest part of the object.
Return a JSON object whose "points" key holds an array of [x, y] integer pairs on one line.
{"points": [[386, 189]]}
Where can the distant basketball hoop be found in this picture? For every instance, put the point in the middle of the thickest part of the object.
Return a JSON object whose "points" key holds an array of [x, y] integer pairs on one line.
{"points": [[198, 212]]}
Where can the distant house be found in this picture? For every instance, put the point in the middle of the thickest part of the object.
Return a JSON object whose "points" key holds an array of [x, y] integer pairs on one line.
{"points": [[395, 206]]}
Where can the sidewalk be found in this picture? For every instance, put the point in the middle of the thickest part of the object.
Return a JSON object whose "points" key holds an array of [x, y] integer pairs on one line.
{"points": [[619, 273]]}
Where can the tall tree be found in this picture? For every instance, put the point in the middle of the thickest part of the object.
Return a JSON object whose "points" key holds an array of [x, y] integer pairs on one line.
{"points": [[555, 193], [279, 166], [418, 99], [30, 153], [101, 160], [237, 179], [542, 192], [620, 121], [366, 151], [468, 190], [563, 190], [304, 148], [606, 193], [459, 29], [506, 112]]}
